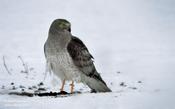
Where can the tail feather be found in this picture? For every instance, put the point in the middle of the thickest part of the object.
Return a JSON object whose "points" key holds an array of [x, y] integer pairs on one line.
{"points": [[97, 85]]}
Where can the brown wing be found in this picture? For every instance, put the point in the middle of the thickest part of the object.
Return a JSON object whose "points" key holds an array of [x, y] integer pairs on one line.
{"points": [[82, 58]]}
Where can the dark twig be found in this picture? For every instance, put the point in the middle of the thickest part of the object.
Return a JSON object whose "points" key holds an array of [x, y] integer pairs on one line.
{"points": [[5, 65], [56, 94]]}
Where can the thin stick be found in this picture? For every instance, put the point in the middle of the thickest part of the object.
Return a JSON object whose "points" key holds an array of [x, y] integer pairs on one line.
{"points": [[5, 65], [26, 70]]}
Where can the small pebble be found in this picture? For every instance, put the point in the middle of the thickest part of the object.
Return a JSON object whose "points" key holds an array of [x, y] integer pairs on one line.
{"points": [[139, 81], [30, 88], [34, 87], [41, 84], [118, 72], [123, 84], [13, 88], [134, 88], [3, 87], [21, 86]]}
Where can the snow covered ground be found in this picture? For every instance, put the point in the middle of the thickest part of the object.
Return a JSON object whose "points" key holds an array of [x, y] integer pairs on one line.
{"points": [[132, 42]]}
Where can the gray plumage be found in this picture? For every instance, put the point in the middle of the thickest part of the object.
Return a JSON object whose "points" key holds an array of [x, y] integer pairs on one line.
{"points": [[69, 58]]}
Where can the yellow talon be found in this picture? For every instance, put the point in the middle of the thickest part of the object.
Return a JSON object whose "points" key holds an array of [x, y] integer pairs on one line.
{"points": [[62, 86], [72, 87]]}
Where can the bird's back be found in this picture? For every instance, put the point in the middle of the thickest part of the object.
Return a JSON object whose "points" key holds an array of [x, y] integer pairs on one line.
{"points": [[83, 60]]}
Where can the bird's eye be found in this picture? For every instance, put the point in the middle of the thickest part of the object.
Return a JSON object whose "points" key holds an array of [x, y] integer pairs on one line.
{"points": [[69, 29]]}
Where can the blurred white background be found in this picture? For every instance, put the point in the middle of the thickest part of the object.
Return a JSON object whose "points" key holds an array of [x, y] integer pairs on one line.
{"points": [[135, 37]]}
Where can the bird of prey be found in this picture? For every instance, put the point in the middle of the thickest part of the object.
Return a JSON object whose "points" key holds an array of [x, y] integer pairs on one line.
{"points": [[69, 59]]}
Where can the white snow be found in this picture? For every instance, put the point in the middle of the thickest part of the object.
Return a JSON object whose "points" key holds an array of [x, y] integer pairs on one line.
{"points": [[132, 37]]}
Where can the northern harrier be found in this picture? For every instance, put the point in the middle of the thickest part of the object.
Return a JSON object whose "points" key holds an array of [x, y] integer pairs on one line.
{"points": [[69, 59]]}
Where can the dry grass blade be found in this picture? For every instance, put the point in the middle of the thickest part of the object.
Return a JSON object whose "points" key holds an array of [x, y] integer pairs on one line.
{"points": [[5, 65]]}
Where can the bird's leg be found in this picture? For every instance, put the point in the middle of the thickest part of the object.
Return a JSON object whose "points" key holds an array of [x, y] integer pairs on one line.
{"points": [[62, 86], [72, 87]]}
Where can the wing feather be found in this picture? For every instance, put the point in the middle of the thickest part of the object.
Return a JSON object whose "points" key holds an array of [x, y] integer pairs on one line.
{"points": [[82, 58]]}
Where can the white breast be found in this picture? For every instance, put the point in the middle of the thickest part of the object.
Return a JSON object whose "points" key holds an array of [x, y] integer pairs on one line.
{"points": [[62, 66]]}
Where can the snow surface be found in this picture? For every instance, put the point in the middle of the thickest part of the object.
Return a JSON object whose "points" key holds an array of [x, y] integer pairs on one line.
{"points": [[131, 41]]}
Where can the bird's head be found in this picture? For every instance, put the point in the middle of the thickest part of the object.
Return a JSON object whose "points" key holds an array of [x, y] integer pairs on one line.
{"points": [[61, 25]]}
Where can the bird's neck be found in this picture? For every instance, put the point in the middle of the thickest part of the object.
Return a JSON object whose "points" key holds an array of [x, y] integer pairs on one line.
{"points": [[59, 39]]}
